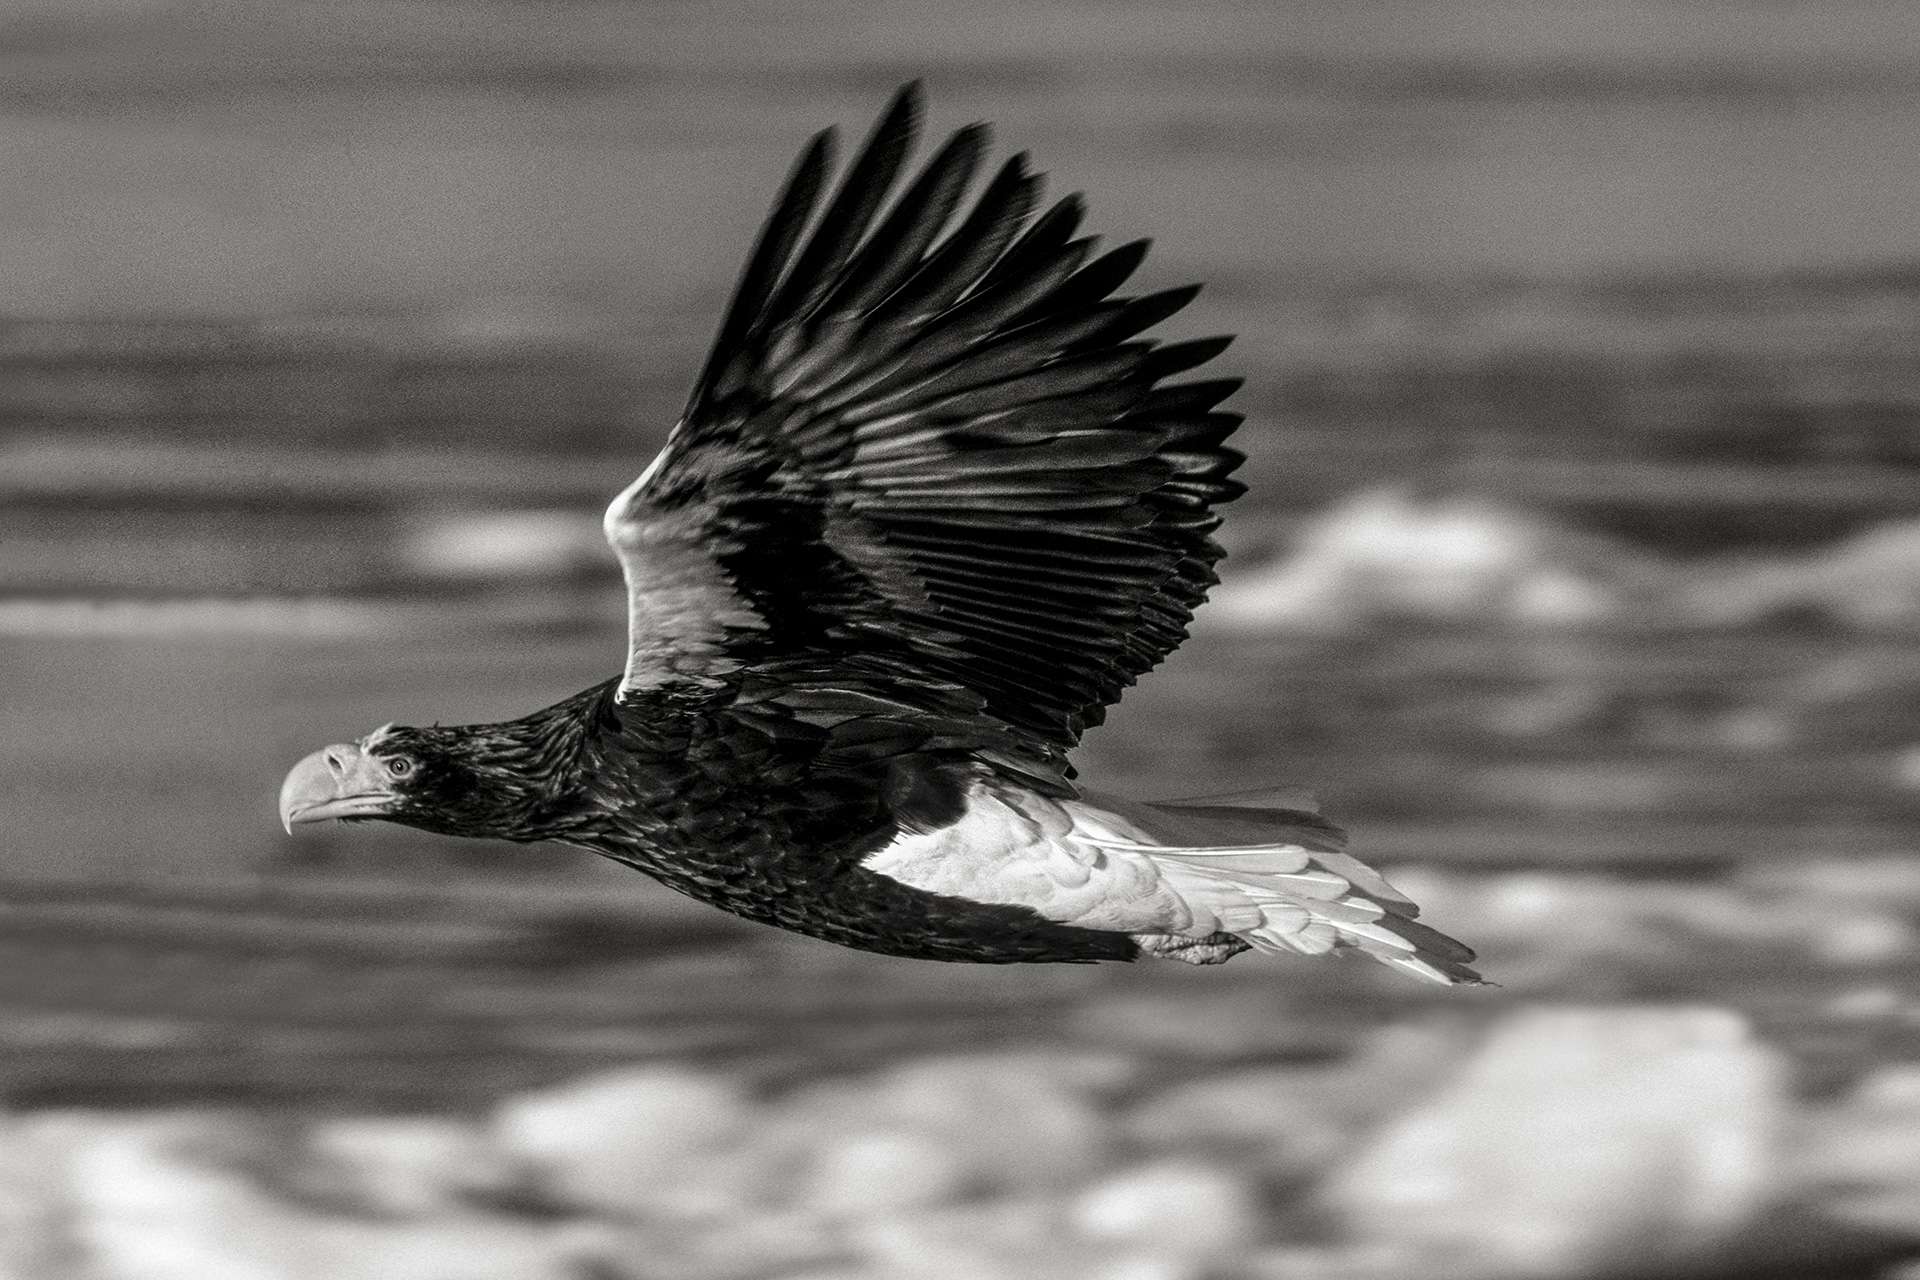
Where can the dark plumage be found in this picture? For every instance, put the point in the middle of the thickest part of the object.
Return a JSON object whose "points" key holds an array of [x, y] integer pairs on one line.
{"points": [[932, 506]]}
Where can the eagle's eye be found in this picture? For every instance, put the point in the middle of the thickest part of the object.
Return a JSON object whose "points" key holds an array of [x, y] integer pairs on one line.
{"points": [[400, 766]]}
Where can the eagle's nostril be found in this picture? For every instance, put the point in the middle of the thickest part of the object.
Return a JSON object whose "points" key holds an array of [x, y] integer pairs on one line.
{"points": [[337, 761]]}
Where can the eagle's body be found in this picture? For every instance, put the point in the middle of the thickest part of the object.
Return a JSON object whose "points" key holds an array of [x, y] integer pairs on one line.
{"points": [[930, 509]]}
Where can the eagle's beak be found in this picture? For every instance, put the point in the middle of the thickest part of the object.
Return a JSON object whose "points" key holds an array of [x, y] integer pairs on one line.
{"points": [[340, 781]]}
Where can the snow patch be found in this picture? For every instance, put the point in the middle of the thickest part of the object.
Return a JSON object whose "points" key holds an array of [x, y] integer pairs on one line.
{"points": [[1387, 553], [507, 544], [1393, 554]]}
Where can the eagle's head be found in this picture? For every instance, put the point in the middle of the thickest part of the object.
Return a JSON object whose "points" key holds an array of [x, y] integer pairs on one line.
{"points": [[466, 780]]}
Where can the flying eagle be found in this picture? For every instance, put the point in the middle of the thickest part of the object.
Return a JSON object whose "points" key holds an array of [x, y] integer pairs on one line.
{"points": [[932, 506]]}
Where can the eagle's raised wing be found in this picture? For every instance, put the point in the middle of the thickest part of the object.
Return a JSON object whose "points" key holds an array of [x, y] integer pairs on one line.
{"points": [[948, 460]]}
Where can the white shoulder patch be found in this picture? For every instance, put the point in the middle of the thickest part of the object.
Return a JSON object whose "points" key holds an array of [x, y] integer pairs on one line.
{"points": [[618, 510], [681, 605]]}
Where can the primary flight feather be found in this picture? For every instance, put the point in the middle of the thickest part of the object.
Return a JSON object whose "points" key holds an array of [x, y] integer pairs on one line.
{"points": [[932, 506]]}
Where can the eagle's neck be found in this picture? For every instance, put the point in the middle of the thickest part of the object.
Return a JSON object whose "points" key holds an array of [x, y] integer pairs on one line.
{"points": [[530, 775]]}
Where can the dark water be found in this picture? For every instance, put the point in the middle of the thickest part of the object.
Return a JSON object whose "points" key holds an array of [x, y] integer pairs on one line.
{"points": [[238, 158]]}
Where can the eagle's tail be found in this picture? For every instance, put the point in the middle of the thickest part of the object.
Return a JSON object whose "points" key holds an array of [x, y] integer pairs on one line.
{"points": [[1268, 869]]}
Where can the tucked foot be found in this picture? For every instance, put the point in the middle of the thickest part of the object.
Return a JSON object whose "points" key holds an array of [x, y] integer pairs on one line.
{"points": [[1215, 948]]}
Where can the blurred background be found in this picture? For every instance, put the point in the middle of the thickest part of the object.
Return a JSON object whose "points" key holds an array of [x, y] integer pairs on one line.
{"points": [[1580, 575]]}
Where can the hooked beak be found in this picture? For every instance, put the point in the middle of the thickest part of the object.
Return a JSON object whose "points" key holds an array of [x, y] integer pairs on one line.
{"points": [[340, 781]]}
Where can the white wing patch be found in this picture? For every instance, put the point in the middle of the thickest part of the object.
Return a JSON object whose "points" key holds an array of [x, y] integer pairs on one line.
{"points": [[681, 606], [1080, 863]]}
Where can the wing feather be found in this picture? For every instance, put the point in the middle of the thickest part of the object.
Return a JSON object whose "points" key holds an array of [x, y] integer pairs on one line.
{"points": [[852, 210], [791, 212], [944, 454]]}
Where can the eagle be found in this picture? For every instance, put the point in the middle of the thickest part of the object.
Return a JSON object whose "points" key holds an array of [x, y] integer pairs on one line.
{"points": [[934, 503]]}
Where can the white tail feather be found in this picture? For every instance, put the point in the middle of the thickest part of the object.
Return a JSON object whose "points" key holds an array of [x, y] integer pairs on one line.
{"points": [[1291, 892], [1184, 880]]}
